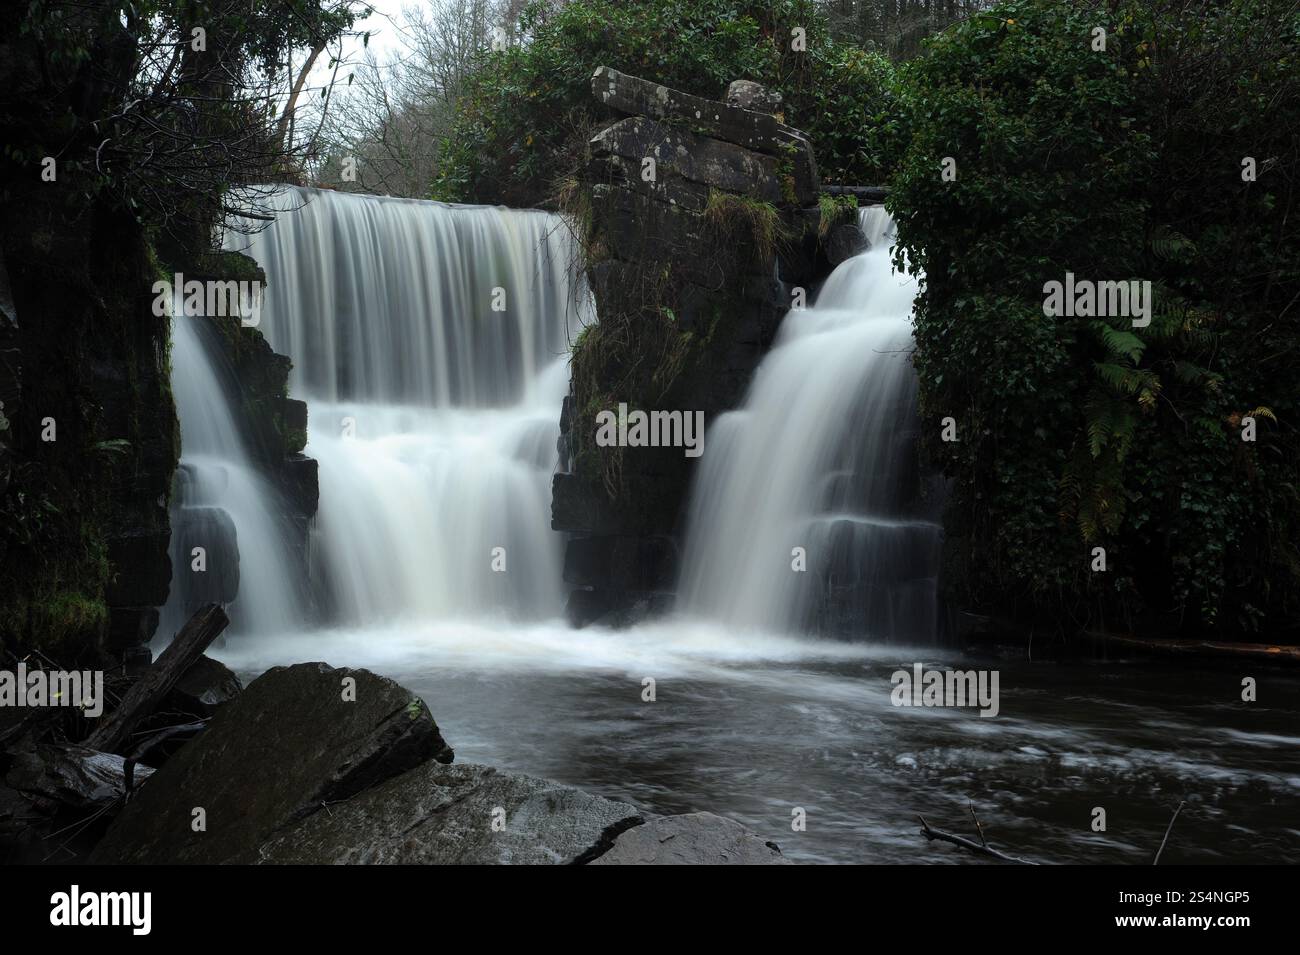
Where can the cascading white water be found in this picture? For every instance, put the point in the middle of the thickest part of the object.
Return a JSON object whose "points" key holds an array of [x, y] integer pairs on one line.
{"points": [[821, 457], [222, 504], [431, 343]]}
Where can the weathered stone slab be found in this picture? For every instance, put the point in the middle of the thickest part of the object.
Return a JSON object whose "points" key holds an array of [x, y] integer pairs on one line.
{"points": [[456, 815], [697, 838], [697, 159], [637, 228], [287, 745], [753, 130]]}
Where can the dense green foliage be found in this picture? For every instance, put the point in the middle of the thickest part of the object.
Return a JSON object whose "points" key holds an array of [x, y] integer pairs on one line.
{"points": [[527, 111], [1115, 164]]}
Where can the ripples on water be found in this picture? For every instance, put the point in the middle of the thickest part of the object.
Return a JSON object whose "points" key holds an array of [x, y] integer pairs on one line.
{"points": [[751, 726]]}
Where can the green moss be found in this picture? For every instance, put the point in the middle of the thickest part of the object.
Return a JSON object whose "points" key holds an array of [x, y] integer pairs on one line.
{"points": [[61, 606], [295, 439], [229, 266], [68, 614]]}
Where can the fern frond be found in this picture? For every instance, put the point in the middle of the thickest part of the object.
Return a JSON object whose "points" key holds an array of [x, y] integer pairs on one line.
{"points": [[1122, 379], [1172, 246], [1119, 343]]}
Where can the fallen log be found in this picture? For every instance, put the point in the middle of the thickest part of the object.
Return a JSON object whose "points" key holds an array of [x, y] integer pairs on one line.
{"points": [[128, 765], [872, 195], [147, 692], [1265, 652]]}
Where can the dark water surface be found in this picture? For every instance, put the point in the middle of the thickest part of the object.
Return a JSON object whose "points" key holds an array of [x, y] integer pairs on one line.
{"points": [[754, 727]]}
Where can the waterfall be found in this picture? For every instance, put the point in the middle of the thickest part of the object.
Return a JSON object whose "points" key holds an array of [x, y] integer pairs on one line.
{"points": [[222, 504], [430, 342], [821, 457]]}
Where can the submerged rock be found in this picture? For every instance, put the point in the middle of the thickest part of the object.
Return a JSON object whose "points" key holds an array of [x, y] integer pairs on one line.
{"points": [[298, 738], [844, 242], [213, 529], [697, 838], [206, 685], [457, 815]]}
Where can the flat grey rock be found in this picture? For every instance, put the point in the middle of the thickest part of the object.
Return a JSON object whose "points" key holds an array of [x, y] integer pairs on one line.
{"points": [[456, 815], [696, 838]]}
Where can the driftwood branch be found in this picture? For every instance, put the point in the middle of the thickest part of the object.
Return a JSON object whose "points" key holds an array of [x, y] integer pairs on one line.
{"points": [[187, 646], [1168, 829], [984, 849], [978, 827], [128, 764]]}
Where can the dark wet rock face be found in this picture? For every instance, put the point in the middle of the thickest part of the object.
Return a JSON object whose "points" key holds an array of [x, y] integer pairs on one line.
{"points": [[697, 838], [704, 219], [457, 815], [299, 737], [844, 242], [56, 800], [69, 776]]}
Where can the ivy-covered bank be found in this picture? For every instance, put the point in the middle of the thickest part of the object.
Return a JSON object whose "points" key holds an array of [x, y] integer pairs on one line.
{"points": [[1153, 142]]}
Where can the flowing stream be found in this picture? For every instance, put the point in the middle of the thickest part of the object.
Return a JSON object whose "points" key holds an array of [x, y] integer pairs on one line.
{"points": [[431, 343]]}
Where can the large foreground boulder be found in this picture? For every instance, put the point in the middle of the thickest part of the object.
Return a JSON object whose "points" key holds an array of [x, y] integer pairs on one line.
{"points": [[457, 815], [298, 738], [697, 838]]}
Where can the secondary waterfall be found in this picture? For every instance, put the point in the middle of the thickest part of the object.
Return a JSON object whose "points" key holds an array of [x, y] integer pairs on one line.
{"points": [[820, 461], [431, 344], [222, 504]]}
